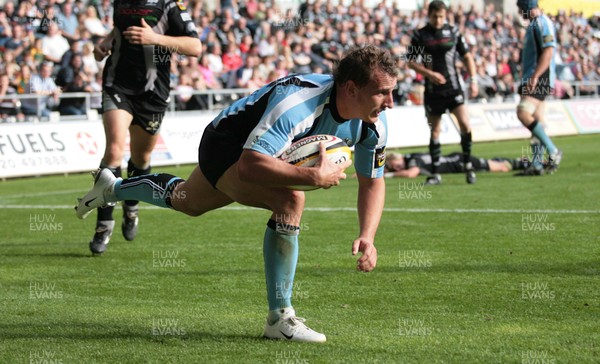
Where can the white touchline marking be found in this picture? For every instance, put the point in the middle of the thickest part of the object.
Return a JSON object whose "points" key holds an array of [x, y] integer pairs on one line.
{"points": [[348, 209], [25, 195]]}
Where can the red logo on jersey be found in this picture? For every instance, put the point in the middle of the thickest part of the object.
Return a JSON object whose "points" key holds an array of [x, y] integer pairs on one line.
{"points": [[135, 11]]}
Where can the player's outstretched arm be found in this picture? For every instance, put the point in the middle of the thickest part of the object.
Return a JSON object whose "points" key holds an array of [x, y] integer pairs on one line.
{"points": [[144, 35], [371, 199], [435, 77], [265, 170]]}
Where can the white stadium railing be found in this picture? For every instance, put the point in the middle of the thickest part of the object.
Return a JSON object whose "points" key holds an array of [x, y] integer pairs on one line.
{"points": [[216, 99]]}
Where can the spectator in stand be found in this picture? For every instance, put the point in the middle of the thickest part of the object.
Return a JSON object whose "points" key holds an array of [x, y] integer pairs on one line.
{"points": [[585, 74], [212, 81], [12, 70], [268, 47], [9, 11], [215, 62], [46, 17], [23, 79], [240, 30], [41, 84], [74, 49], [37, 53], [10, 107], [89, 61], [301, 60], [281, 69], [244, 74], [68, 22], [54, 45], [246, 44], [5, 29], [250, 9], [186, 99], [506, 87], [19, 41], [232, 59], [487, 85], [75, 105], [105, 10], [256, 80], [93, 24], [66, 75]]}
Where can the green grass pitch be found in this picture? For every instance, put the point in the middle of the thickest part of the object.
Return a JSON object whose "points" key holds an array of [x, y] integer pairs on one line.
{"points": [[504, 271]]}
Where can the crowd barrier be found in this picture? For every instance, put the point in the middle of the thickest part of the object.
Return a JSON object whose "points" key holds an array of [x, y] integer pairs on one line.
{"points": [[30, 149]]}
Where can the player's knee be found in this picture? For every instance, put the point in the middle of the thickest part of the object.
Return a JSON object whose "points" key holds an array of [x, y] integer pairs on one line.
{"points": [[289, 201], [525, 109]]}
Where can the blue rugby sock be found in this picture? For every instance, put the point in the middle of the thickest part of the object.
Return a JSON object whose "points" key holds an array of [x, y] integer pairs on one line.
{"points": [[155, 189], [134, 171], [538, 131], [280, 252]]}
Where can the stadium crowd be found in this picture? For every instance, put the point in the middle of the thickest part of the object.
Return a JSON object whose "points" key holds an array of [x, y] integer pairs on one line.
{"points": [[46, 48]]}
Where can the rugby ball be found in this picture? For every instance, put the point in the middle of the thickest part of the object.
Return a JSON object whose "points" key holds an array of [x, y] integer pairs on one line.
{"points": [[305, 153]]}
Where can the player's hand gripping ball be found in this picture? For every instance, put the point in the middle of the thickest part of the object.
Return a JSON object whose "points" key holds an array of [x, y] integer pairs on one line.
{"points": [[305, 153]]}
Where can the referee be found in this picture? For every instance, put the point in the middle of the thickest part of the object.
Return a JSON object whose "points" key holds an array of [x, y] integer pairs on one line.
{"points": [[433, 52]]}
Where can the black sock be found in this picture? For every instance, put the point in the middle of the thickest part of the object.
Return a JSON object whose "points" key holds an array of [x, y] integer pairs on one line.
{"points": [[133, 171], [106, 213], [466, 142], [532, 125], [435, 150]]}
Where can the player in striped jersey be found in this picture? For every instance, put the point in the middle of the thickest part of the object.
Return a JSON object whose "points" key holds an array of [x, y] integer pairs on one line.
{"points": [[238, 161]]}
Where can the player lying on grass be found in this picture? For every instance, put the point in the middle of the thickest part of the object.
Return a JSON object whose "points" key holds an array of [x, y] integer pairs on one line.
{"points": [[419, 164], [238, 161]]}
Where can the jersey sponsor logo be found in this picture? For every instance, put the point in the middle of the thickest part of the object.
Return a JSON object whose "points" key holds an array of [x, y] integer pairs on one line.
{"points": [[130, 11], [266, 146], [186, 17], [307, 140], [446, 33], [151, 2], [459, 98], [379, 157], [181, 5], [442, 41], [117, 97]]}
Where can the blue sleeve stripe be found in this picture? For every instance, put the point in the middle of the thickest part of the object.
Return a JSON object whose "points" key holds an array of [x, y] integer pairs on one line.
{"points": [[286, 105], [547, 29], [301, 127]]}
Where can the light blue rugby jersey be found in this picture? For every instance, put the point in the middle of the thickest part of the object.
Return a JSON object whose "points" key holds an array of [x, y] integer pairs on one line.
{"points": [[539, 35], [273, 117]]}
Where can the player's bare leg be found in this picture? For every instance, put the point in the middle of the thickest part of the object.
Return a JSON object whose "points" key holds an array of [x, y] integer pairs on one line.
{"points": [[115, 123], [141, 144], [530, 112]]}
